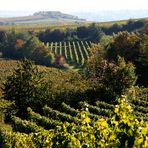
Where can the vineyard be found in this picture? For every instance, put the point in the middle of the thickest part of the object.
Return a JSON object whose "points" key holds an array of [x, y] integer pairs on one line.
{"points": [[52, 118], [75, 53], [69, 125], [81, 87], [68, 119]]}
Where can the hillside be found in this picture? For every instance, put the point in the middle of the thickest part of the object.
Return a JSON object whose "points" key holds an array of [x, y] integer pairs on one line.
{"points": [[41, 17], [71, 117]]}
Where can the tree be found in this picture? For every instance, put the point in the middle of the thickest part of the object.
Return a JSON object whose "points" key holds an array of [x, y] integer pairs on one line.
{"points": [[97, 54], [13, 43], [112, 29], [8, 46], [27, 87], [107, 79], [3, 36], [124, 44], [105, 40], [30, 46], [95, 32], [3, 39], [142, 61], [115, 79], [91, 33], [36, 50], [52, 36]]}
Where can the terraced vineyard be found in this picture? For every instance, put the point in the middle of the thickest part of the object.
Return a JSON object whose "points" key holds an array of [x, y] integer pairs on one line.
{"points": [[139, 104], [75, 53], [140, 108], [52, 118]]}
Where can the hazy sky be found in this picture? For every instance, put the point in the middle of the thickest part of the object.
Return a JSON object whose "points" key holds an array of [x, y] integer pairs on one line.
{"points": [[71, 5]]}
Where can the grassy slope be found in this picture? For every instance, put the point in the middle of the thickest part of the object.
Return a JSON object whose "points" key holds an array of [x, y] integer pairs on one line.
{"points": [[6, 68], [61, 79], [41, 27], [119, 22]]}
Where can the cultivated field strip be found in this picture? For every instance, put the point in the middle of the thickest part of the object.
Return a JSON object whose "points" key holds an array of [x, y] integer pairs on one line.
{"points": [[75, 53]]}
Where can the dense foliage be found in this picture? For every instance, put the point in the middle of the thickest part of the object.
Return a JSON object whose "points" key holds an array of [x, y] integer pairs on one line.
{"points": [[24, 45], [133, 48], [93, 32], [109, 79], [121, 130], [26, 87], [130, 26], [29, 86]]}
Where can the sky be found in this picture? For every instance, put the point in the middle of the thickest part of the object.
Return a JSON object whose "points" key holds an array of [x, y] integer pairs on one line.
{"points": [[71, 5]]}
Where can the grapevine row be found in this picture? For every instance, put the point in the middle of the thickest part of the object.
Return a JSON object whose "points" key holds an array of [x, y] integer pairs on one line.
{"points": [[140, 103], [140, 108], [95, 109], [140, 114], [24, 126], [57, 115], [81, 54], [42, 120], [70, 50], [74, 52], [104, 105], [84, 48], [69, 110]]}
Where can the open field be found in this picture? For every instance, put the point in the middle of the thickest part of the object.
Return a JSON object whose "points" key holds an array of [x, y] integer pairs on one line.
{"points": [[119, 22], [41, 27], [48, 24]]}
